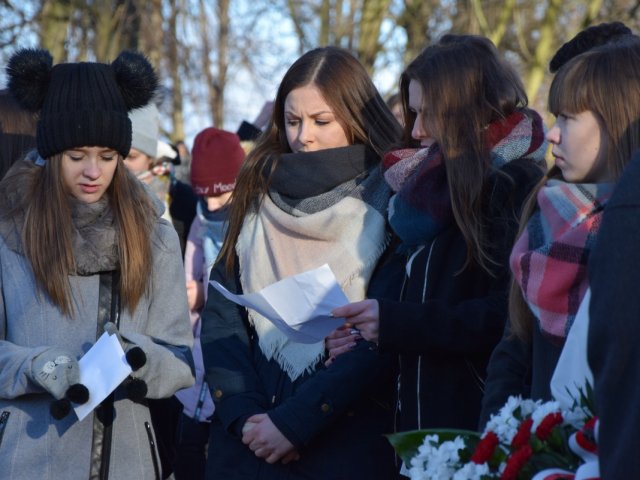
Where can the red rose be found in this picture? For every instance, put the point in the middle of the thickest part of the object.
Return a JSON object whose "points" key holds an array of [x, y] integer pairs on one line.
{"points": [[485, 448], [585, 437], [524, 432], [547, 425], [515, 463]]}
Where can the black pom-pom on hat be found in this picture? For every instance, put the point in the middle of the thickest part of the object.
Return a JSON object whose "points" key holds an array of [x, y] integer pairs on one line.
{"points": [[29, 72], [136, 78], [83, 104]]}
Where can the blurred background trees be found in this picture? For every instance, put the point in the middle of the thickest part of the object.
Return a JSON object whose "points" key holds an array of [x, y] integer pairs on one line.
{"points": [[220, 59]]}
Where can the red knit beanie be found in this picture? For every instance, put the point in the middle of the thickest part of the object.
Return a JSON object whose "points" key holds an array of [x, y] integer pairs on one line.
{"points": [[216, 158]]}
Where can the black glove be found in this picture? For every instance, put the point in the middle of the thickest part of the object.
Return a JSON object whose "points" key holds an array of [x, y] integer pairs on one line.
{"points": [[136, 358]]}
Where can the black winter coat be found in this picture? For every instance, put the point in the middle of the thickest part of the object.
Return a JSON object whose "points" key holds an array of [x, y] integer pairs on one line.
{"points": [[336, 417], [614, 329], [518, 367], [450, 318]]}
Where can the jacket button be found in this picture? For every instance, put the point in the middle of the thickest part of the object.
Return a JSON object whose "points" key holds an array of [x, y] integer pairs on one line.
{"points": [[217, 393], [325, 408]]}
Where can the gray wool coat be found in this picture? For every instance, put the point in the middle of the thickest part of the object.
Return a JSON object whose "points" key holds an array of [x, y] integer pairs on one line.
{"points": [[36, 446]]}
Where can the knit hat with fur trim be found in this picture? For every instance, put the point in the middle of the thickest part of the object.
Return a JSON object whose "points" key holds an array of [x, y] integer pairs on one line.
{"points": [[81, 104], [216, 158]]}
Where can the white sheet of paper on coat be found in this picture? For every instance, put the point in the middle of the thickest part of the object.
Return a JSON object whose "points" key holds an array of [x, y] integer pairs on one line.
{"points": [[300, 305], [102, 369], [573, 372]]}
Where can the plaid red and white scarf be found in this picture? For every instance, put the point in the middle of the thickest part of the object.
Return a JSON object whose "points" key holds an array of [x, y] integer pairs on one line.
{"points": [[549, 259]]}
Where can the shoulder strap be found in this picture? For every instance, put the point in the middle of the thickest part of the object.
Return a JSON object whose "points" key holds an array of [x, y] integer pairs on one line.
{"points": [[108, 311]]}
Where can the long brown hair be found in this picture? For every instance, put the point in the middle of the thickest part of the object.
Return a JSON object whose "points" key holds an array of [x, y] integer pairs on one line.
{"points": [[48, 230], [606, 82], [465, 86], [357, 105], [17, 131]]}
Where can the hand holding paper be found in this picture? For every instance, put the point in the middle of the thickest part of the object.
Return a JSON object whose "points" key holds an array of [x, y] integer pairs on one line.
{"points": [[102, 369], [300, 306]]}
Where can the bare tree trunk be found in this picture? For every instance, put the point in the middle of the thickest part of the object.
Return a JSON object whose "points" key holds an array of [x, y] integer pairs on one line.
{"points": [[224, 23], [131, 25], [373, 12], [206, 60], [543, 51], [173, 65], [350, 24], [151, 31], [325, 22], [116, 28], [297, 25], [54, 20], [339, 26], [497, 32], [79, 34], [593, 7], [414, 21]]}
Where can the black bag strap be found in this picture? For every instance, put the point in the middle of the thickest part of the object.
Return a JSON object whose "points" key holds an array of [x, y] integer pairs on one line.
{"points": [[108, 311]]}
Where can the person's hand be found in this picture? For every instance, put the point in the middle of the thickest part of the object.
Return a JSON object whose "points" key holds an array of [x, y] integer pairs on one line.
{"points": [[57, 372], [195, 294], [363, 316], [161, 169], [135, 385], [265, 440], [340, 341], [136, 358], [292, 456]]}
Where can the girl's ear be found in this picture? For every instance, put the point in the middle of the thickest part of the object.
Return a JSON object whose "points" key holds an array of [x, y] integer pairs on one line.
{"points": [[29, 72], [136, 78]]}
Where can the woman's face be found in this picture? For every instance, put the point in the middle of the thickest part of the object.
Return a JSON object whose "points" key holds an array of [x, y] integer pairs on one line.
{"points": [[419, 131], [310, 124], [138, 162], [87, 172], [576, 140], [216, 202]]}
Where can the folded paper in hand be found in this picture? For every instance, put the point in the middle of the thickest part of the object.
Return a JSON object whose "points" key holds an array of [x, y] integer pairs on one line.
{"points": [[102, 369], [300, 306]]}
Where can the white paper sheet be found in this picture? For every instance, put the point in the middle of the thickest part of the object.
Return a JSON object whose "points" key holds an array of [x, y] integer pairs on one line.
{"points": [[573, 372], [300, 306], [102, 369]]}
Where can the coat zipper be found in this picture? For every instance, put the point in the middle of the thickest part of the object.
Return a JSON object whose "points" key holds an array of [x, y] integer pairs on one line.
{"points": [[278, 391], [399, 381], [152, 445], [4, 419], [419, 372], [105, 457], [475, 375]]}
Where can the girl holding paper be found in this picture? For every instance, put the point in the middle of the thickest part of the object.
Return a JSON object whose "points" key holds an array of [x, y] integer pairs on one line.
{"points": [[83, 250], [311, 192], [475, 151]]}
